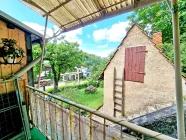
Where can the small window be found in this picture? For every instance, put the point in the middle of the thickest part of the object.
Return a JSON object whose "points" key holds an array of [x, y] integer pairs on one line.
{"points": [[135, 64]]}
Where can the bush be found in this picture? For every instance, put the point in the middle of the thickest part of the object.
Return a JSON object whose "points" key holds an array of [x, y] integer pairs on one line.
{"points": [[101, 84], [61, 88], [93, 83], [50, 90], [91, 89]]}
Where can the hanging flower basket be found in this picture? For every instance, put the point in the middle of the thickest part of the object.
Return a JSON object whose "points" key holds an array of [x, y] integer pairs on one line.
{"points": [[9, 51]]}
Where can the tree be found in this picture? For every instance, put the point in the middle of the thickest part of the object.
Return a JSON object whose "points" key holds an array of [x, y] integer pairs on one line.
{"points": [[36, 52], [96, 64], [157, 17], [62, 57], [168, 50]]}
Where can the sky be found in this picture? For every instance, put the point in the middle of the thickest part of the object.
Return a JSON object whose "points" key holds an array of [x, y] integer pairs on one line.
{"points": [[100, 38]]}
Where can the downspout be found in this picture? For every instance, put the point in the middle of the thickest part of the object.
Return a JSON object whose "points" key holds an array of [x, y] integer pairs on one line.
{"points": [[178, 77]]}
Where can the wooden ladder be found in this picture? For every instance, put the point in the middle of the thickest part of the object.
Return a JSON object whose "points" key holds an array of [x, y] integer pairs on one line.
{"points": [[118, 93]]}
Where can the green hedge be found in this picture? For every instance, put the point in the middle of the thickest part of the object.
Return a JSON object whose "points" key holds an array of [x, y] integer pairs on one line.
{"points": [[61, 88], [80, 86]]}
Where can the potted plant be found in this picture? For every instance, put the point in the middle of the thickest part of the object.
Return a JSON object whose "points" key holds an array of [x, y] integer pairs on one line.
{"points": [[9, 51]]}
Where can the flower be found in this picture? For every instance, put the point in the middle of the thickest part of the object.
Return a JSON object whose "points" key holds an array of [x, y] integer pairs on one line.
{"points": [[6, 48]]}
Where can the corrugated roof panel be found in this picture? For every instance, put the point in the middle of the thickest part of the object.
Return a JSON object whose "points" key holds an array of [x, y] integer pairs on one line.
{"points": [[73, 14]]}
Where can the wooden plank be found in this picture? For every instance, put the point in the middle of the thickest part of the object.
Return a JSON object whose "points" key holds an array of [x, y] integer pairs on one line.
{"points": [[117, 98], [3, 34], [22, 45], [6, 69], [3, 30], [118, 85], [118, 104], [2, 88], [142, 63], [117, 78], [13, 34], [10, 86], [137, 68], [118, 91], [15, 68], [116, 109], [126, 65]]}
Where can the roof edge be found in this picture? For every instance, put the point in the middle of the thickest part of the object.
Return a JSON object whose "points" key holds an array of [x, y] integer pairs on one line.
{"points": [[19, 24]]}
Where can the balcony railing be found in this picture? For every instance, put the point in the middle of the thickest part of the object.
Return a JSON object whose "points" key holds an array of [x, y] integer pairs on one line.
{"points": [[58, 119]]}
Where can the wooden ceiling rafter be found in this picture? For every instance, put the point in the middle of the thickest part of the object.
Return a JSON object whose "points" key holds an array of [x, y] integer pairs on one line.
{"points": [[99, 7], [57, 7], [96, 12]]}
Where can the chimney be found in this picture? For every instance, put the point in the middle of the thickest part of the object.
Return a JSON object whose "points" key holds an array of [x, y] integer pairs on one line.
{"points": [[157, 38]]}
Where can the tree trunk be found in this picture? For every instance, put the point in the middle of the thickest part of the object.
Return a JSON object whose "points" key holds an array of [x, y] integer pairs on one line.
{"points": [[55, 79], [55, 87]]}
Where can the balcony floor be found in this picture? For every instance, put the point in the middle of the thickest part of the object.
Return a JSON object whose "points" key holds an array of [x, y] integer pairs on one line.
{"points": [[37, 135]]}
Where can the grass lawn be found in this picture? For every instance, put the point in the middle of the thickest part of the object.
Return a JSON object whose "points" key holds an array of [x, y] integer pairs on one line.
{"points": [[79, 96]]}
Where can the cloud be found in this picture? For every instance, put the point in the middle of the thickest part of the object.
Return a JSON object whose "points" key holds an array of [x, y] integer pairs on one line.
{"points": [[104, 53], [71, 36], [113, 34], [39, 28], [102, 46]]}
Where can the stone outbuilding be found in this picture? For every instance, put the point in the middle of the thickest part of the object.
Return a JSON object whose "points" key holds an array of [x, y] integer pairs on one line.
{"points": [[144, 79]]}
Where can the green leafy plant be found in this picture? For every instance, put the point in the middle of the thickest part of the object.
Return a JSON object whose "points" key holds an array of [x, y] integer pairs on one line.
{"points": [[9, 49]]}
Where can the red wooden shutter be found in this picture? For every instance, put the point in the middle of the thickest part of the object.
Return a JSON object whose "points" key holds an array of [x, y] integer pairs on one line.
{"points": [[135, 64]]}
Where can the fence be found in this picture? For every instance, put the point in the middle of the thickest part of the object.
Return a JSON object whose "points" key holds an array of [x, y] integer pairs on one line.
{"points": [[61, 119]]}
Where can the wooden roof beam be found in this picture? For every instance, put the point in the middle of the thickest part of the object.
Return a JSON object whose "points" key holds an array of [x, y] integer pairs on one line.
{"points": [[111, 14], [60, 5], [103, 11], [35, 5]]}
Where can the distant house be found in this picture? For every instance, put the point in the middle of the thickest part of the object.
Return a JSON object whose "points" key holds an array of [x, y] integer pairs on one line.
{"points": [[144, 78], [72, 76]]}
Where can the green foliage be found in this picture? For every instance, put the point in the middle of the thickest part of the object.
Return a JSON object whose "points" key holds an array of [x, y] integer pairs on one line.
{"points": [[63, 57], [101, 84], [79, 96], [62, 88], [168, 50], [157, 17], [9, 49], [36, 52], [93, 83], [95, 64]]}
